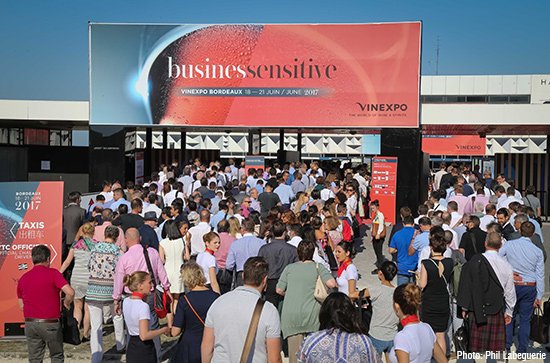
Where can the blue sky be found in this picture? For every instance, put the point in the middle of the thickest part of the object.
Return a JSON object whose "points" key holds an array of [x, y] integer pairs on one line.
{"points": [[44, 44]]}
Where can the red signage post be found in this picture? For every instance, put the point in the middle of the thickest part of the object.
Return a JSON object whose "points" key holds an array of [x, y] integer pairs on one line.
{"points": [[384, 185]]}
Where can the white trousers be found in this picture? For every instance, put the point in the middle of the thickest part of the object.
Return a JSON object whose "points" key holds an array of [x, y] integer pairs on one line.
{"points": [[96, 330]]}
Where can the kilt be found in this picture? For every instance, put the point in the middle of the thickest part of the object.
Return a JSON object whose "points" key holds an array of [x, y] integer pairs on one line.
{"points": [[490, 336]]}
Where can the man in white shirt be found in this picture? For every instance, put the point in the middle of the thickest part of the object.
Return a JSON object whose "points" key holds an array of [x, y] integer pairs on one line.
{"points": [[360, 177], [489, 217], [197, 183], [198, 232], [500, 195], [510, 197], [422, 212], [151, 206], [186, 179], [437, 176], [446, 216], [106, 192], [284, 192], [503, 270], [452, 207]]}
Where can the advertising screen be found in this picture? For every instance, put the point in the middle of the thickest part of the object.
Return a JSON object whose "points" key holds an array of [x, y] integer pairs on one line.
{"points": [[31, 214], [453, 145], [253, 75]]}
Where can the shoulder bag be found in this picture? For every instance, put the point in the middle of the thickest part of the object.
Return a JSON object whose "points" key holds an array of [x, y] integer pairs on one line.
{"points": [[321, 292], [193, 309], [161, 299], [252, 329]]}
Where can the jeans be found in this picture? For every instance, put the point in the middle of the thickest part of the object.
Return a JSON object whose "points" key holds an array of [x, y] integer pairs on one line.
{"points": [[270, 293], [523, 310], [41, 334], [402, 279], [154, 324], [381, 346]]}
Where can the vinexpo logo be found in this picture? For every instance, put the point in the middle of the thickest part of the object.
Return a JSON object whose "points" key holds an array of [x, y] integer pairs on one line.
{"points": [[382, 106], [468, 147]]}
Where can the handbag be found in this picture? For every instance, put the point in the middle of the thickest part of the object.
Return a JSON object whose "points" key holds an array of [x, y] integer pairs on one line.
{"points": [[546, 311], [321, 292], [225, 277], [252, 329], [461, 337], [161, 299], [364, 305], [539, 328], [69, 326]]}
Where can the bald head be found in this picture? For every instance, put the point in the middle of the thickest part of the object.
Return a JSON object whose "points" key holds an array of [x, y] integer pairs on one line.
{"points": [[205, 215], [132, 237]]}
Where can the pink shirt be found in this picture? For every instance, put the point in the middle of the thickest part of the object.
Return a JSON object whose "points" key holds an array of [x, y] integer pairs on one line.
{"points": [[134, 260], [99, 235], [481, 199], [221, 254], [39, 289], [464, 203]]}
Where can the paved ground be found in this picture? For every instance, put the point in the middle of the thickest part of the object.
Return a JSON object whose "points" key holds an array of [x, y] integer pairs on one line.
{"points": [[16, 350]]}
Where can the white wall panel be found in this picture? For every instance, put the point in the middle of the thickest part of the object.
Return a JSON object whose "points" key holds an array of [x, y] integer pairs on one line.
{"points": [[524, 84], [485, 114], [466, 85], [509, 85], [452, 86], [481, 84], [426, 85], [494, 86], [439, 85]]}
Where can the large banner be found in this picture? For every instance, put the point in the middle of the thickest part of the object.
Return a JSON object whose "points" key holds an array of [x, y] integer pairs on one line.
{"points": [[245, 75], [31, 214], [384, 185], [454, 145]]}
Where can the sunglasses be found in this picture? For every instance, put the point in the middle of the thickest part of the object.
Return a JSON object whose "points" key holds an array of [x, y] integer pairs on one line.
{"points": [[350, 190], [247, 201]]}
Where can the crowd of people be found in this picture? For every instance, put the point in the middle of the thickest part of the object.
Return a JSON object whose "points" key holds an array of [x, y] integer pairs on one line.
{"points": [[271, 251]]}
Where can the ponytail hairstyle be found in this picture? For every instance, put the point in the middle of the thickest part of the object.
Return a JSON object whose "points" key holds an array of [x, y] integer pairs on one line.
{"points": [[408, 297], [348, 247], [133, 280]]}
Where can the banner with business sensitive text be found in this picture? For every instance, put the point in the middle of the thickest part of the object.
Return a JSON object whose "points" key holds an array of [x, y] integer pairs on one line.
{"points": [[31, 213], [243, 75]]}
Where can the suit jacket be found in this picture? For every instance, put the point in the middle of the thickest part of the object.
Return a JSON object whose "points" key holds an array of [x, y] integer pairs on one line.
{"points": [[507, 231], [447, 180], [480, 290], [535, 239], [73, 218], [467, 242]]}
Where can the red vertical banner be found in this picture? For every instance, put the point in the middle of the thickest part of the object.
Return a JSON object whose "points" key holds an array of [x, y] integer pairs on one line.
{"points": [[31, 214], [384, 185]]}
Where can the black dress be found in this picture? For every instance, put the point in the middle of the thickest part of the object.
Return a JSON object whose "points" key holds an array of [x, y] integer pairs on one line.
{"points": [[188, 349], [435, 308]]}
